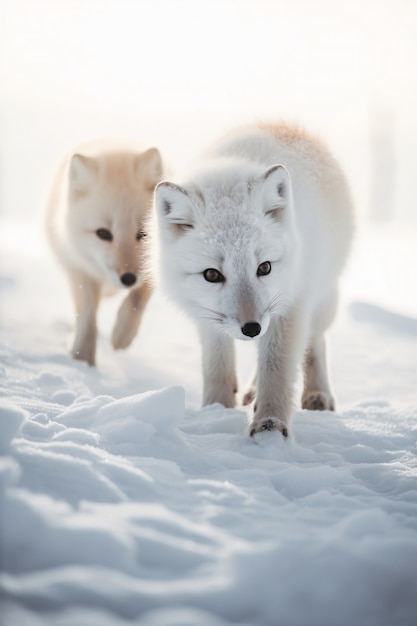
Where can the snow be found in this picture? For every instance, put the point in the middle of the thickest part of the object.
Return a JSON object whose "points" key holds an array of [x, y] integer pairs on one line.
{"points": [[123, 502]]}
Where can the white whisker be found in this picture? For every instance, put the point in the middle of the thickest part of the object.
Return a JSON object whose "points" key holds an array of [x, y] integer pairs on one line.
{"points": [[211, 318], [276, 304], [216, 314]]}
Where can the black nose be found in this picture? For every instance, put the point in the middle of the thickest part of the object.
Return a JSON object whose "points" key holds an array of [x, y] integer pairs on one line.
{"points": [[251, 329], [128, 279]]}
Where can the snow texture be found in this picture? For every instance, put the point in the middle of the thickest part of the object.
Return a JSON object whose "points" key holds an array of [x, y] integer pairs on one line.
{"points": [[123, 502]]}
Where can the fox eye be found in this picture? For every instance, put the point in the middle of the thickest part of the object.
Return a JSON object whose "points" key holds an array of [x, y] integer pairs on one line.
{"points": [[105, 234], [140, 235], [264, 269], [213, 276]]}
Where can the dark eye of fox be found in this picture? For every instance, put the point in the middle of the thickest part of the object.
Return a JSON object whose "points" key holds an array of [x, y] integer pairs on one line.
{"points": [[140, 235], [264, 269], [213, 276], [104, 234]]}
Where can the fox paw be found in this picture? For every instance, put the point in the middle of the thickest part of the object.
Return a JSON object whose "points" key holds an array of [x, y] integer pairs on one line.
{"points": [[225, 396], [317, 401], [249, 396], [268, 423], [84, 355]]}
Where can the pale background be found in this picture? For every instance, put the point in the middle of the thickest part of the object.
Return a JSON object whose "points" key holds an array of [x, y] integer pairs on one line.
{"points": [[116, 502], [177, 73]]}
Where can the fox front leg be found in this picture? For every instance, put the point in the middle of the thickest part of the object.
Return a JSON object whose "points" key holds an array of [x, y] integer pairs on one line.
{"points": [[86, 294], [279, 352], [219, 373], [129, 316]]}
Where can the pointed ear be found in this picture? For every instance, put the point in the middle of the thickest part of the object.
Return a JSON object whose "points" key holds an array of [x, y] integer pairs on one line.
{"points": [[174, 207], [82, 173], [276, 191], [149, 164]]}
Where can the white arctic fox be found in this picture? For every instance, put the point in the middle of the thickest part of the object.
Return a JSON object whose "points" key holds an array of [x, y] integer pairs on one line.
{"points": [[251, 246], [95, 219]]}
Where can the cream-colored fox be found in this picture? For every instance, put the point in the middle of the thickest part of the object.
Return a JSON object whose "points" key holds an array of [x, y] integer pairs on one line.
{"points": [[96, 217], [252, 244]]}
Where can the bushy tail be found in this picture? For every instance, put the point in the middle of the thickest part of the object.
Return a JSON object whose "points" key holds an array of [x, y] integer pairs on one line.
{"points": [[50, 208]]}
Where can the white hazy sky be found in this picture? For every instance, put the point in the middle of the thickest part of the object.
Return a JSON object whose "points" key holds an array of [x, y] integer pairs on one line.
{"points": [[176, 73]]}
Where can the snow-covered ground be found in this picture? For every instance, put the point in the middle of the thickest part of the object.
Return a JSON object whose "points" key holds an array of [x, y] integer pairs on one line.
{"points": [[123, 502]]}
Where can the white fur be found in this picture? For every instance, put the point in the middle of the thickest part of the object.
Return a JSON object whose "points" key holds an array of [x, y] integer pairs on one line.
{"points": [[265, 194], [103, 188]]}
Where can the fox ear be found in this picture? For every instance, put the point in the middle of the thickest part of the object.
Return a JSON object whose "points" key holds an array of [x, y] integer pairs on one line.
{"points": [[276, 191], [150, 163], [82, 173], [174, 207]]}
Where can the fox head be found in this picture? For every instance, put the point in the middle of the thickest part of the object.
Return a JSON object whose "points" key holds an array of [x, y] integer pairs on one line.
{"points": [[228, 247], [109, 200]]}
